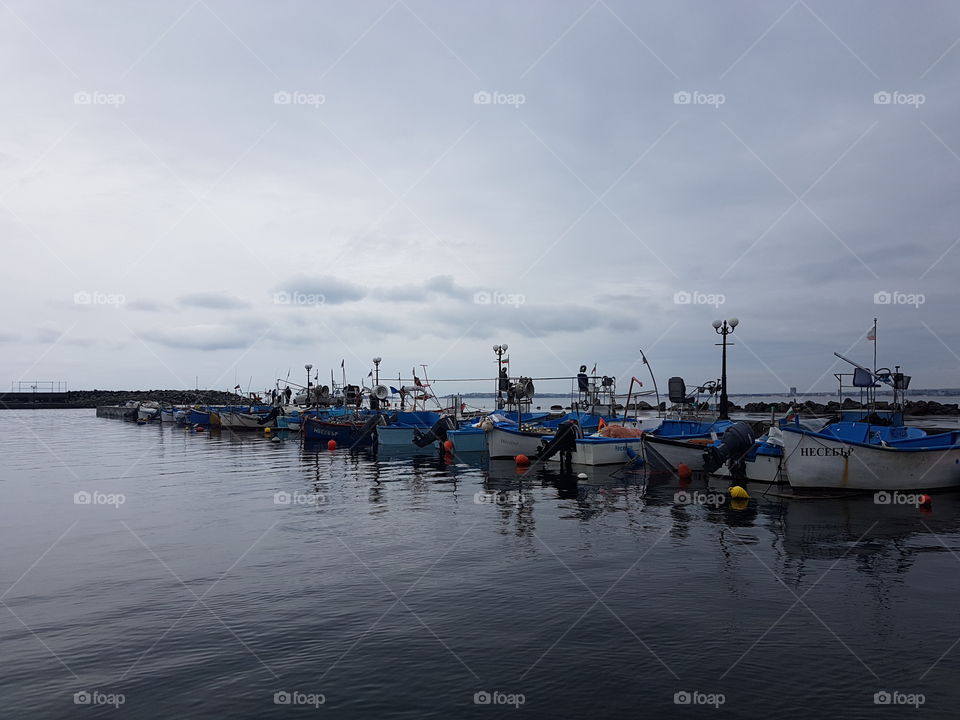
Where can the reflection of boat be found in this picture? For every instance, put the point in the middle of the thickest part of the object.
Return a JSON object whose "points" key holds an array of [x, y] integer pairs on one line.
{"points": [[597, 450]]}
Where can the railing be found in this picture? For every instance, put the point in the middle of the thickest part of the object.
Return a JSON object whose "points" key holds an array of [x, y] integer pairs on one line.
{"points": [[38, 386]]}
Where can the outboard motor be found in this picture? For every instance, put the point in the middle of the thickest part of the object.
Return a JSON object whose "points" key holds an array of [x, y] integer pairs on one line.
{"points": [[370, 425], [565, 440], [736, 442], [437, 432]]}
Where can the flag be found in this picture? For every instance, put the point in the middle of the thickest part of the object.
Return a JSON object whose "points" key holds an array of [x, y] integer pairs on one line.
{"points": [[594, 371], [341, 364], [791, 414], [872, 333], [370, 374], [416, 381], [602, 424], [393, 390]]}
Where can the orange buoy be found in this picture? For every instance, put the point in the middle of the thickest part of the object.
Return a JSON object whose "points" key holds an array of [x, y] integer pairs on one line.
{"points": [[199, 428], [683, 470], [521, 460], [925, 500], [448, 444], [331, 444]]}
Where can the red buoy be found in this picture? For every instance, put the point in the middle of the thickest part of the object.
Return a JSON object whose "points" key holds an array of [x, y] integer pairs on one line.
{"points": [[199, 428], [521, 460], [331, 444], [448, 444], [684, 471], [925, 500]]}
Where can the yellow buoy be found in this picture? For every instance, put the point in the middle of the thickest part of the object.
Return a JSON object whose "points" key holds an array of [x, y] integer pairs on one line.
{"points": [[266, 431], [738, 492]]}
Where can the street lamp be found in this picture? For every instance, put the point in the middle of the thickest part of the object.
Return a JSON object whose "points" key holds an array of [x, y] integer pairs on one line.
{"points": [[308, 367], [376, 364], [500, 350], [724, 328]]}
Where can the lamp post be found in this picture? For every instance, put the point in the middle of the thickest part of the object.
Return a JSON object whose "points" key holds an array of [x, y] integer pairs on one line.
{"points": [[308, 367], [724, 328], [376, 365], [500, 350]]}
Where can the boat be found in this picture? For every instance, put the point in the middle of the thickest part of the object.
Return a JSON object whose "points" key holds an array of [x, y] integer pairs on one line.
{"points": [[823, 460], [402, 426], [683, 435], [235, 420], [148, 411], [357, 432]]}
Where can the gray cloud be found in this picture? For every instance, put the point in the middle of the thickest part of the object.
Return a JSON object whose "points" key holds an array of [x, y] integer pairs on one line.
{"points": [[212, 301]]}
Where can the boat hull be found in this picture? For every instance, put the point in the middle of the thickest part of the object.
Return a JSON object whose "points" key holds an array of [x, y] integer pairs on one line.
{"points": [[672, 452], [468, 440], [506, 443], [243, 421], [347, 434], [595, 451], [816, 461]]}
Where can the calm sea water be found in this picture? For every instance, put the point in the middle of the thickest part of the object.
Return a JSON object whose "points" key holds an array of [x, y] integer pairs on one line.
{"points": [[209, 573]]}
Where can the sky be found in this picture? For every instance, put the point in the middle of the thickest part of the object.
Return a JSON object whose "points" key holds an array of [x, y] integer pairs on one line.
{"points": [[202, 192]]}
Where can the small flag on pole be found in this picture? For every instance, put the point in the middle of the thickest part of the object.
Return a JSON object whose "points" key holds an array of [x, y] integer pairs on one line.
{"points": [[370, 374], [594, 371], [872, 334], [341, 364]]}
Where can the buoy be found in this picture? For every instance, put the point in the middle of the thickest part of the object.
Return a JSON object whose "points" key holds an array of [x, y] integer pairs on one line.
{"points": [[925, 501], [684, 471], [738, 492], [522, 459], [448, 444], [331, 444], [199, 428], [266, 431], [583, 476]]}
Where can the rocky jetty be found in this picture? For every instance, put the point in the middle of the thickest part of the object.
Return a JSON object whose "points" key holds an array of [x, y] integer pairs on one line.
{"points": [[95, 398], [918, 408]]}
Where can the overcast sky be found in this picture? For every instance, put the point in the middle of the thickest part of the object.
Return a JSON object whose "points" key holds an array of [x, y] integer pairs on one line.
{"points": [[226, 190]]}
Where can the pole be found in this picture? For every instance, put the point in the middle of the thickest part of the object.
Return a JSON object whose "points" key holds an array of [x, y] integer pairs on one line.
{"points": [[723, 377]]}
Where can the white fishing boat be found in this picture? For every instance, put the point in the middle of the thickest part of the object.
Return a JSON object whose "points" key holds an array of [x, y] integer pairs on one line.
{"points": [[148, 411], [245, 421], [597, 450], [817, 460]]}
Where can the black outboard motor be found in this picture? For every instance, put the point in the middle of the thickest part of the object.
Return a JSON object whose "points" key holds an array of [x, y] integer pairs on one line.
{"points": [[437, 432], [736, 442], [564, 441]]}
